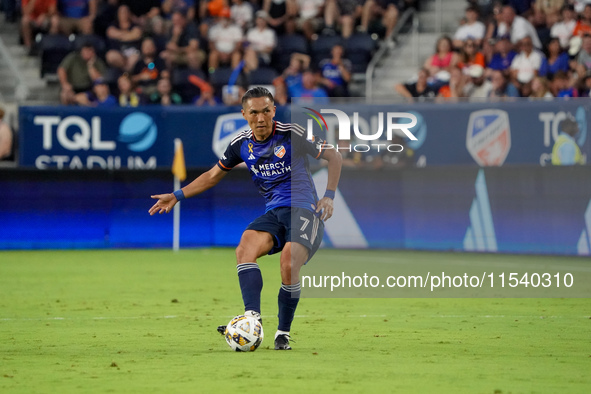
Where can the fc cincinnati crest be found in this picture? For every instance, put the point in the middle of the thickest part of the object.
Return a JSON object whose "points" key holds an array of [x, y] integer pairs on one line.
{"points": [[489, 137], [280, 151]]}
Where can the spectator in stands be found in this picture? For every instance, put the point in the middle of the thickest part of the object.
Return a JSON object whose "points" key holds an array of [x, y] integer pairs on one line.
{"points": [[501, 86], [100, 96], [292, 75], [478, 86], [164, 94], [308, 91], [106, 14], [470, 55], [335, 73], [207, 98], [341, 12], [281, 95], [385, 12], [241, 12], [503, 56], [556, 59], [517, 27], [128, 97], [185, 6], [563, 30], [540, 88], [124, 37], [77, 72], [492, 28], [279, 11], [584, 57], [183, 38], [37, 16], [260, 41], [142, 10], [527, 63], [560, 86], [443, 59], [455, 86], [225, 38], [149, 68], [549, 7], [472, 28], [6, 137], [584, 24], [539, 21], [309, 16], [419, 89], [76, 16]]}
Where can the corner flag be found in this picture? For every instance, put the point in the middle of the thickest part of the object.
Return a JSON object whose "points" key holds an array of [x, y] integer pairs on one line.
{"points": [[178, 163], [180, 174]]}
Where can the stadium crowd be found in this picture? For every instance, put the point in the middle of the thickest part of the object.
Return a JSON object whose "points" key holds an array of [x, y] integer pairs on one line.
{"points": [[511, 48], [208, 52]]}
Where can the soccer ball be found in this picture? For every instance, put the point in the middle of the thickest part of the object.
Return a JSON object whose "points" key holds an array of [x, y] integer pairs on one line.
{"points": [[244, 334]]}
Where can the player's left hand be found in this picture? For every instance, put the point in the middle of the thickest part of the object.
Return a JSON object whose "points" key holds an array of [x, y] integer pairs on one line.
{"points": [[325, 208], [164, 204]]}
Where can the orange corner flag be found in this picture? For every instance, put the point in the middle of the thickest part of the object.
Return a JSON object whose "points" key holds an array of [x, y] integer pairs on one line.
{"points": [[178, 163]]}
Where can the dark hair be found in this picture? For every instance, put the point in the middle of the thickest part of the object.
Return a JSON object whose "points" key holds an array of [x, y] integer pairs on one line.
{"points": [[255, 92]]}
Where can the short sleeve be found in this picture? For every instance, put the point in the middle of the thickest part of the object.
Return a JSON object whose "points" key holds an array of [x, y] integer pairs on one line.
{"points": [[231, 156], [302, 146]]}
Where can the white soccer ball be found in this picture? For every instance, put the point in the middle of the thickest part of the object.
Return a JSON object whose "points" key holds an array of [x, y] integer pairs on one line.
{"points": [[244, 334]]}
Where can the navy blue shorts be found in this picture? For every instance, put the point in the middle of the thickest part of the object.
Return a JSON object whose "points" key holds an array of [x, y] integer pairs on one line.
{"points": [[307, 230]]}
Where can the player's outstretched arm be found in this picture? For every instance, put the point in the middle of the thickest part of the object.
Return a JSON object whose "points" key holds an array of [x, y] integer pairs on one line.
{"points": [[335, 161], [203, 182]]}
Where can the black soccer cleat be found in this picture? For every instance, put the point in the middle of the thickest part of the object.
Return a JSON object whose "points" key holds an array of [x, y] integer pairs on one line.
{"points": [[222, 330], [282, 342]]}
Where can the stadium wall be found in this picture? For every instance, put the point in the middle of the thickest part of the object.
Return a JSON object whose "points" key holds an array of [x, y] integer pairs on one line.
{"points": [[509, 209]]}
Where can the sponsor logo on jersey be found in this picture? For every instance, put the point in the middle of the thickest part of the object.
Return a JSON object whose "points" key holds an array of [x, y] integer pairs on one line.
{"points": [[488, 138], [280, 151]]}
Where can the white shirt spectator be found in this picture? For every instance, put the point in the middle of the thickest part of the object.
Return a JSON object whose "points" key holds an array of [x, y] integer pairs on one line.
{"points": [[519, 29], [527, 66], [225, 38], [563, 31], [242, 14], [580, 5], [260, 40], [310, 8], [475, 31]]}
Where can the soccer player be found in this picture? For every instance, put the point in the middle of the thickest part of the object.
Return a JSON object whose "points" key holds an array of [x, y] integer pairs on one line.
{"points": [[276, 155]]}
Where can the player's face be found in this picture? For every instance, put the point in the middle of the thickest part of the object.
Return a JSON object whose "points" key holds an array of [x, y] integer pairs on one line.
{"points": [[259, 113]]}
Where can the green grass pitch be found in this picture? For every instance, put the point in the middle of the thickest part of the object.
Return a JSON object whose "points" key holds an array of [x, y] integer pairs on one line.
{"points": [[143, 321]]}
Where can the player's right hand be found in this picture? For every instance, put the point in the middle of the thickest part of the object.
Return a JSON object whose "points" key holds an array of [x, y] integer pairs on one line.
{"points": [[164, 204]]}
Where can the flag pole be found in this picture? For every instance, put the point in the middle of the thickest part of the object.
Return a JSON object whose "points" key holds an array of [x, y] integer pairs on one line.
{"points": [[176, 230]]}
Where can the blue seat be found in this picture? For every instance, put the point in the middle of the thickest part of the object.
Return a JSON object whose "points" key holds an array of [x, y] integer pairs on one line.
{"points": [[219, 78], [286, 45], [262, 76], [54, 48], [359, 49], [180, 82]]}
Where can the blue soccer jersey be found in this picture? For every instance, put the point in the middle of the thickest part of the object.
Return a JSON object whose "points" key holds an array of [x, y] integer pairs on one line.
{"points": [[278, 165]]}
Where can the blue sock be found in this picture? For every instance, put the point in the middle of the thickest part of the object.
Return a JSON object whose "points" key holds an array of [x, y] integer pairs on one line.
{"points": [[289, 296], [251, 284]]}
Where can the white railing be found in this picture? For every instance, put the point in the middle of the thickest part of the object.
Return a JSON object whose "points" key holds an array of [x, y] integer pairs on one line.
{"points": [[383, 49], [21, 91]]}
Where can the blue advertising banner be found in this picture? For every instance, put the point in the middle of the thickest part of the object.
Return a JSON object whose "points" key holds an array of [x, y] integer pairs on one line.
{"points": [[484, 134], [517, 209], [123, 138]]}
